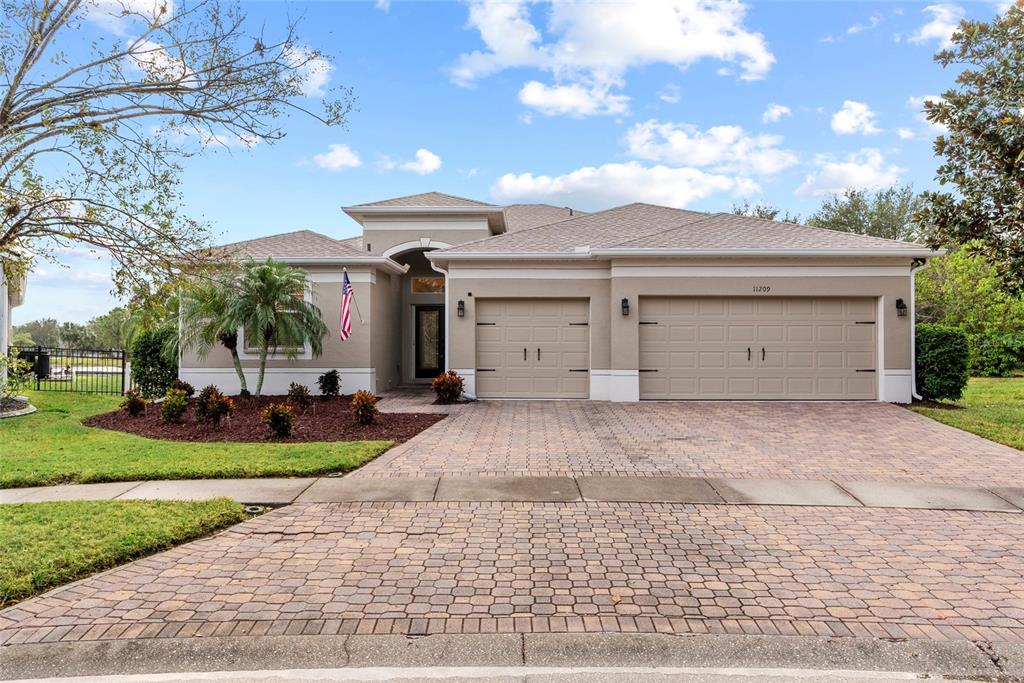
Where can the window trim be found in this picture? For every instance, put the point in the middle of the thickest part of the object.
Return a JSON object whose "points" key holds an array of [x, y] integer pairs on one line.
{"points": [[303, 352], [413, 278]]}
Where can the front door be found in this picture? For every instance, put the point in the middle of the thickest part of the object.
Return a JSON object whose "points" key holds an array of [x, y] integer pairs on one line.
{"points": [[429, 322]]}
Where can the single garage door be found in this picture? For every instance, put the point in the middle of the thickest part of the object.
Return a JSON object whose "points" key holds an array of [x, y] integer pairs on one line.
{"points": [[532, 348], [757, 348]]}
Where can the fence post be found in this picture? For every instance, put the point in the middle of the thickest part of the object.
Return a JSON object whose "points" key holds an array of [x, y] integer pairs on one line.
{"points": [[39, 354], [124, 368]]}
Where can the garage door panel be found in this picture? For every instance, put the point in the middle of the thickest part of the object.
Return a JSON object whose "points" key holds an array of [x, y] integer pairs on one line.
{"points": [[557, 328], [802, 348]]}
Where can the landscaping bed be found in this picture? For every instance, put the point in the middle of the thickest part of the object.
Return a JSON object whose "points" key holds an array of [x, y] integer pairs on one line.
{"points": [[324, 421]]}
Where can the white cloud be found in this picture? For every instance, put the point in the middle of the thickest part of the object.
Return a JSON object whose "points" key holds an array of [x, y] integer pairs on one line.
{"points": [[945, 19], [153, 59], [118, 16], [337, 157], [723, 149], [917, 104], [775, 112], [311, 71], [620, 184], [866, 169], [905, 133], [670, 93], [594, 44], [383, 5], [425, 163], [873, 21], [855, 117], [575, 100]]}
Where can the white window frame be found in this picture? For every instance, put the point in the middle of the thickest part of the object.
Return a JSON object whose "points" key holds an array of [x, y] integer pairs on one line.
{"points": [[303, 353]]}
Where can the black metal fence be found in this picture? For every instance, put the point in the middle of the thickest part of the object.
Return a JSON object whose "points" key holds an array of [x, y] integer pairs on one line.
{"points": [[101, 371]]}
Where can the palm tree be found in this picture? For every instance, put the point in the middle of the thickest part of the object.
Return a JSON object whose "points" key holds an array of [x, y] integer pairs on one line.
{"points": [[203, 319], [268, 302]]}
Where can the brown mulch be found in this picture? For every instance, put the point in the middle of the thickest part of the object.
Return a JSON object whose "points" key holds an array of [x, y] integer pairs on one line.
{"points": [[325, 421]]}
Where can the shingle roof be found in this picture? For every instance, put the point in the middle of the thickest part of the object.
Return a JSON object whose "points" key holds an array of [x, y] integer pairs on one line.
{"points": [[524, 216], [601, 229], [646, 226], [298, 244], [428, 199]]}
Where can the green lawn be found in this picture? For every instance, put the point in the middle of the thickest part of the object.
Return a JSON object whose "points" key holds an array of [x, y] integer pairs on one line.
{"points": [[52, 447], [991, 407], [49, 544]]}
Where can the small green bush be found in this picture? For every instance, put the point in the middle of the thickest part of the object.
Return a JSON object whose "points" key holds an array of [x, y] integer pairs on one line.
{"points": [[212, 406], [183, 386], [299, 396], [152, 371], [942, 354], [448, 386], [133, 403], [173, 406], [279, 419], [364, 407], [330, 385], [996, 355]]}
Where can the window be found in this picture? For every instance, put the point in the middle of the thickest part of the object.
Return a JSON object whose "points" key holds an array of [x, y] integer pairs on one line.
{"points": [[278, 346], [428, 285]]}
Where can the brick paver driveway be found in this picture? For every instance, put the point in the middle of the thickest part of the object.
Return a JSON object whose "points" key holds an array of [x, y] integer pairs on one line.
{"points": [[492, 567], [865, 441]]}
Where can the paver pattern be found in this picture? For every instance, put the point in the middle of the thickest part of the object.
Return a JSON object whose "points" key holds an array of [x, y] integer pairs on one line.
{"points": [[860, 441], [491, 567]]}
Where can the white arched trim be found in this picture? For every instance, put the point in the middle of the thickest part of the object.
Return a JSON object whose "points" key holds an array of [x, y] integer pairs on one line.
{"points": [[421, 243]]}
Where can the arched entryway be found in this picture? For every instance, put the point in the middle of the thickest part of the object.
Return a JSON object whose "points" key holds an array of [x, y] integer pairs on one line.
{"points": [[421, 318]]}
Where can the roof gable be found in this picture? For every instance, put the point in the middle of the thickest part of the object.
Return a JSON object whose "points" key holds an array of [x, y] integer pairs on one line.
{"points": [[432, 199], [297, 244]]}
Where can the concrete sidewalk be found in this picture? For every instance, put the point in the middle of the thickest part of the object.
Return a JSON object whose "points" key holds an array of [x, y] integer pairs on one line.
{"points": [[283, 491]]}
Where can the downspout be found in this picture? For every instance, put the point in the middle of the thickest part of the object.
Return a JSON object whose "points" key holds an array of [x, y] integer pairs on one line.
{"points": [[915, 265], [447, 311]]}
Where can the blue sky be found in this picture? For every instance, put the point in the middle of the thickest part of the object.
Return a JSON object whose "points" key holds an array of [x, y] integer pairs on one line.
{"points": [[689, 103]]}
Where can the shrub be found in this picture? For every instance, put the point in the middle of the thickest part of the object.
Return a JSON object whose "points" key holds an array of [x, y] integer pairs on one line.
{"points": [[448, 386], [364, 407], [330, 385], [212, 406], [279, 419], [152, 371], [942, 354], [299, 396], [996, 355], [133, 403], [173, 405], [183, 386], [15, 375]]}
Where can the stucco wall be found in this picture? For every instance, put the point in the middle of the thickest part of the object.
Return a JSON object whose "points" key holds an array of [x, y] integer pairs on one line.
{"points": [[385, 330], [382, 234]]}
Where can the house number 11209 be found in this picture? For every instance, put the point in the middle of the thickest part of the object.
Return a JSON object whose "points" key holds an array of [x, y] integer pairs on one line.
{"points": [[762, 289]]}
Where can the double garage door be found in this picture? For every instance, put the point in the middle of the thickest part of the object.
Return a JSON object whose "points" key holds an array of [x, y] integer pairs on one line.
{"points": [[689, 348], [757, 348], [532, 348]]}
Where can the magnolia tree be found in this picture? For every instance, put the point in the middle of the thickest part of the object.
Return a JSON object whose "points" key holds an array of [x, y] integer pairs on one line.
{"points": [[103, 99]]}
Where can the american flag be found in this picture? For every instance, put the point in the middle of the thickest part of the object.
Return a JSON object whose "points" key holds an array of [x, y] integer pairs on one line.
{"points": [[346, 307]]}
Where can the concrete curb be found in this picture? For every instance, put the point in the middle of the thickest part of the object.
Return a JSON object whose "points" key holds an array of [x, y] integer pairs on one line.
{"points": [[680, 490], [985, 661]]}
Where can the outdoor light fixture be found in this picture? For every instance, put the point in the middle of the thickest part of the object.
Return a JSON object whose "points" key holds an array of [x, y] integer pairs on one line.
{"points": [[461, 308], [625, 307], [901, 308]]}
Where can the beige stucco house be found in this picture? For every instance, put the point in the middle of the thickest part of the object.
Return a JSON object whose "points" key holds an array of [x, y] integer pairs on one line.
{"points": [[633, 303]]}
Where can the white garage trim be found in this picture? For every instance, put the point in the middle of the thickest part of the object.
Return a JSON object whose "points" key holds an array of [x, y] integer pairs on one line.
{"points": [[624, 386], [468, 381], [276, 380], [531, 273], [758, 271], [895, 386]]}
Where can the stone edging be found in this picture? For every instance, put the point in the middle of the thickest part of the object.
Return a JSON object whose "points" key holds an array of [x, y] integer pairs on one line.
{"points": [[27, 410]]}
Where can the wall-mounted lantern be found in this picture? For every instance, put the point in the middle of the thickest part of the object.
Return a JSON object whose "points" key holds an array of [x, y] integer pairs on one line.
{"points": [[625, 306], [901, 308], [461, 308]]}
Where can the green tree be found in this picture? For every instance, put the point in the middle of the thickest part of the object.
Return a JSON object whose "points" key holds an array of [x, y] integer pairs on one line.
{"points": [[204, 320], [91, 138], [44, 332], [765, 211], [886, 213], [983, 146], [22, 339], [269, 305], [108, 329], [75, 336]]}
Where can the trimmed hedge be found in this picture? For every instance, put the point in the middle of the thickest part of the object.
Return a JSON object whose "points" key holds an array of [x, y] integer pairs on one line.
{"points": [[942, 354], [151, 371], [996, 355]]}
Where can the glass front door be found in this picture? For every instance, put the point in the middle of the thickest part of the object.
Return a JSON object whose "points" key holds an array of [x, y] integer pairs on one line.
{"points": [[429, 341]]}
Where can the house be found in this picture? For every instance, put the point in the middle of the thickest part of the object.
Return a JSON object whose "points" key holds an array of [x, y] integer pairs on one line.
{"points": [[12, 295], [632, 303]]}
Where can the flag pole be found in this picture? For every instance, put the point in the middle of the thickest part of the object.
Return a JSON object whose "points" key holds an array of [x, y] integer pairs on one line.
{"points": [[355, 300]]}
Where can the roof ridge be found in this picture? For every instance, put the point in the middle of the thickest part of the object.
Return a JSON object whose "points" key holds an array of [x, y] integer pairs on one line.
{"points": [[816, 228], [707, 217]]}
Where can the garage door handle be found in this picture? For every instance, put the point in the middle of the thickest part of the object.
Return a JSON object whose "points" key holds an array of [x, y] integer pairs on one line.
{"points": [[538, 353], [762, 354], [748, 354], [524, 353]]}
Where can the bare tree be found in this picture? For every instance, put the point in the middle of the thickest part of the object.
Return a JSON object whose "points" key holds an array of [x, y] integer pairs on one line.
{"points": [[91, 144]]}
